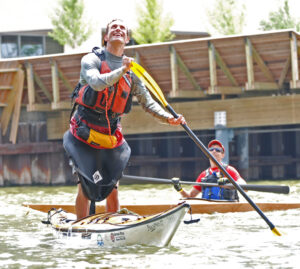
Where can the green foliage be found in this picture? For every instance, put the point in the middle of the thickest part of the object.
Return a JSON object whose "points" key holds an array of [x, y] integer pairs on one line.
{"points": [[152, 27], [226, 17], [69, 27], [280, 19]]}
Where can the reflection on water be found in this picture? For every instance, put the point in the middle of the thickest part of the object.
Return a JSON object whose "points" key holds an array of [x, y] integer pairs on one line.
{"points": [[239, 240]]}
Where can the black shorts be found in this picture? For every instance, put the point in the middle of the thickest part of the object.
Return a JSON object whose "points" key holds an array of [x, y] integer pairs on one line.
{"points": [[98, 169]]}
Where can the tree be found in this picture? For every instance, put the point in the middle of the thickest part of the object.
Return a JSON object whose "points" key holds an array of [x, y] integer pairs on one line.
{"points": [[227, 18], [280, 19], [69, 27], [152, 27]]}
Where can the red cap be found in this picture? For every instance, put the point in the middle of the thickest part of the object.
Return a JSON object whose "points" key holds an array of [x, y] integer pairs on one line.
{"points": [[216, 142]]}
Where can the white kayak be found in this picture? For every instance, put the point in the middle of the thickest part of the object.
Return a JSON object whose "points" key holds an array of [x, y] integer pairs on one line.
{"points": [[119, 229]]}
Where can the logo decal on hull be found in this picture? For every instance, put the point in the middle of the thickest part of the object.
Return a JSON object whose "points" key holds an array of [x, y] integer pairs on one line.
{"points": [[117, 236], [100, 240], [155, 225]]}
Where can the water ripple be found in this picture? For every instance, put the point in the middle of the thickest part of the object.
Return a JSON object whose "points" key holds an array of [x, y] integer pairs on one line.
{"points": [[236, 240]]}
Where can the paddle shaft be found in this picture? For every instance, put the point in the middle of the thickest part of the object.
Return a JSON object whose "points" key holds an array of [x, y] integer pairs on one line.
{"points": [[213, 159], [248, 187]]}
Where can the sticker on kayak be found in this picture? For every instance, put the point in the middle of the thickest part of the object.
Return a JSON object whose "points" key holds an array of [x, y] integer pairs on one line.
{"points": [[97, 177], [100, 241], [155, 225], [117, 236]]}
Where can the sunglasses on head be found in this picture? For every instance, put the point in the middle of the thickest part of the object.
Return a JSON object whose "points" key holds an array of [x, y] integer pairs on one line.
{"points": [[215, 149]]}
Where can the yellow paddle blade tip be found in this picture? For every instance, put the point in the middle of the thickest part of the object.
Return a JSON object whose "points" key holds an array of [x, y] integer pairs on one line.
{"points": [[275, 231]]}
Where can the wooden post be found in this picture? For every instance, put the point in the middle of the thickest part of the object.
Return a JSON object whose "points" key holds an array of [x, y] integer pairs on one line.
{"points": [[174, 71], [249, 60], [294, 60], [30, 84], [19, 85], [212, 66], [55, 84]]}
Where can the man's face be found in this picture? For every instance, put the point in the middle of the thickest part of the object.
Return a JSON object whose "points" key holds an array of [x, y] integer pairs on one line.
{"points": [[217, 152], [117, 33]]}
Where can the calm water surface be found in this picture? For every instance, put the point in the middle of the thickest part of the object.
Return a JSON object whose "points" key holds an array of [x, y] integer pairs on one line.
{"points": [[234, 240]]}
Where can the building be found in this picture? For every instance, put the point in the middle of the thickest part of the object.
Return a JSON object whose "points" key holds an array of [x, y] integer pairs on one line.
{"points": [[28, 43], [38, 42]]}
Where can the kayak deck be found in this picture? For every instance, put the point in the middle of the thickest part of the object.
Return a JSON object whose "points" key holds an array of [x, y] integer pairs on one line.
{"points": [[108, 221]]}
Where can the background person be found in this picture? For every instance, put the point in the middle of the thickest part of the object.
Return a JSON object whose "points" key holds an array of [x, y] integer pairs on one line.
{"points": [[213, 175], [94, 142]]}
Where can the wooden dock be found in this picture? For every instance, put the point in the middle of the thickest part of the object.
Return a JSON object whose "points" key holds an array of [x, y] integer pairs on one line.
{"points": [[254, 78]]}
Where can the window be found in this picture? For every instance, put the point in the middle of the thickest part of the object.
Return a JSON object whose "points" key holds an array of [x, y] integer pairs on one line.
{"points": [[9, 46], [31, 45], [28, 45]]}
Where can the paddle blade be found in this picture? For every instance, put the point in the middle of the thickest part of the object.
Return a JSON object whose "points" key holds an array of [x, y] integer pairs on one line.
{"points": [[191, 221], [276, 232], [150, 83]]}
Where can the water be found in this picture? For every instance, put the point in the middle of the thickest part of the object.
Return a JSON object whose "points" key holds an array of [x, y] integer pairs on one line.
{"points": [[234, 240]]}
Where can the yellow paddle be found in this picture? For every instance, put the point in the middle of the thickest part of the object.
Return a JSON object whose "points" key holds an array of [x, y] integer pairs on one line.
{"points": [[152, 86]]}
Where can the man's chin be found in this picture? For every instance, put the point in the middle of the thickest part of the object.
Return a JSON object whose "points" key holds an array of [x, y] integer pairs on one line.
{"points": [[119, 41]]}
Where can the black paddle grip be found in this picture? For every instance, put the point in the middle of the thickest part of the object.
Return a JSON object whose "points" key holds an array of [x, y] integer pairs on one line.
{"points": [[172, 111]]}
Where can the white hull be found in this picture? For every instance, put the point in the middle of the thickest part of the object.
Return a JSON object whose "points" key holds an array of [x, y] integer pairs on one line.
{"points": [[122, 229]]}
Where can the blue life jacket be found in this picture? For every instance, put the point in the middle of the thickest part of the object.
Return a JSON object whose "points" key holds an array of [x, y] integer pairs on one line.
{"points": [[217, 193]]}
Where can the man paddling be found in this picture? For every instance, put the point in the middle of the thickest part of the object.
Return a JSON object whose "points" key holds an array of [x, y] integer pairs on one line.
{"points": [[213, 175], [95, 143]]}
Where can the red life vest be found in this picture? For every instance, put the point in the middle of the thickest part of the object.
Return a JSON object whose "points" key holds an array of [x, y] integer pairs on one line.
{"points": [[113, 98]]}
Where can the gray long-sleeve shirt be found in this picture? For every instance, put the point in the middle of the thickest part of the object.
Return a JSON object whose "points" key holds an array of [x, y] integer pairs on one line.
{"points": [[89, 74]]}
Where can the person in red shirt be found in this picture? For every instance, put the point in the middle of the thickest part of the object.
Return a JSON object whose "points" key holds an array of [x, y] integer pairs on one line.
{"points": [[213, 175]]}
